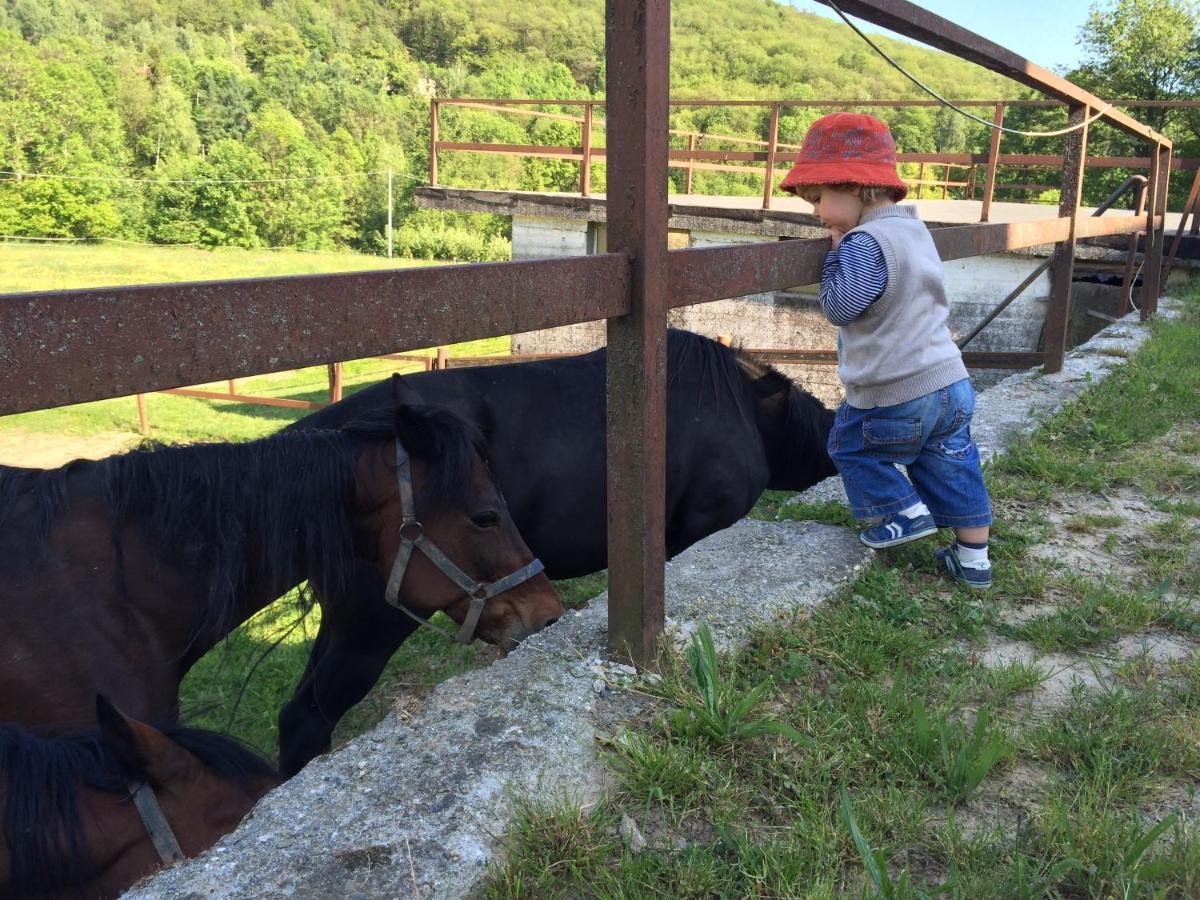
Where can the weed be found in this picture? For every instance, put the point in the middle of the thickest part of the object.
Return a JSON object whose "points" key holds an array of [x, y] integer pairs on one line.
{"points": [[719, 709]]}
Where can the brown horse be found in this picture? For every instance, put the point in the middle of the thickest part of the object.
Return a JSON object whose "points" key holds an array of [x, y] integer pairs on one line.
{"points": [[89, 815], [120, 574]]}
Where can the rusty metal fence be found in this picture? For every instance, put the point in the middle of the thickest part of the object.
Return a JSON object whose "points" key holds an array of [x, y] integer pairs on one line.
{"points": [[979, 170], [66, 347]]}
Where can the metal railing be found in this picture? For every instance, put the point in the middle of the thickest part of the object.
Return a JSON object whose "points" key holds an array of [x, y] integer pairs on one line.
{"points": [[981, 168], [67, 347]]}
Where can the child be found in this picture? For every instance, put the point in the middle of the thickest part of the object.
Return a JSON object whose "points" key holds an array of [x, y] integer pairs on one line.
{"points": [[909, 399]]}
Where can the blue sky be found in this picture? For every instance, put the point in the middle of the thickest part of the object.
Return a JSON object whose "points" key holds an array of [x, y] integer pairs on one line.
{"points": [[1043, 31]]}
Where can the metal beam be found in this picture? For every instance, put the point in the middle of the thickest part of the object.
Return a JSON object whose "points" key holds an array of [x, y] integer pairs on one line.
{"points": [[67, 347], [920, 24], [637, 34]]}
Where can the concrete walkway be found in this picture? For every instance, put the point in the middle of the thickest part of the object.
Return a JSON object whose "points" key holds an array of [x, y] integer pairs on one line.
{"points": [[419, 809]]}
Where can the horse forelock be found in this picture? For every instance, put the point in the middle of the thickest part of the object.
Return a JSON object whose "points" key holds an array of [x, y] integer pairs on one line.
{"points": [[225, 756], [718, 369], [445, 441]]}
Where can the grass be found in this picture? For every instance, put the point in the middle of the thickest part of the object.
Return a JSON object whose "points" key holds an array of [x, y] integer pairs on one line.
{"points": [[36, 267], [924, 771], [55, 267]]}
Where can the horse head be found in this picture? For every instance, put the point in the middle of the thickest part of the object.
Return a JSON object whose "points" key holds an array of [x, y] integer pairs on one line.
{"points": [[446, 540], [70, 826], [794, 426]]}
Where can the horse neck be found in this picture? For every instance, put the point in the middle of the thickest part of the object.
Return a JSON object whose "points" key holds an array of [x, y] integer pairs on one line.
{"points": [[118, 844], [272, 513]]}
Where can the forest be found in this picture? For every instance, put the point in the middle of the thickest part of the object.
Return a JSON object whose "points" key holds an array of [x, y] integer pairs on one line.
{"points": [[275, 123]]}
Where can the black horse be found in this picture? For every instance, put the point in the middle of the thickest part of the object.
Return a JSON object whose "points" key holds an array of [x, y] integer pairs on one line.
{"points": [[735, 427]]}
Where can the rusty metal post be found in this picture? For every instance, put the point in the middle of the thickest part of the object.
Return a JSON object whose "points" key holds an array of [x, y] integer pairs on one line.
{"points": [[1059, 311], [989, 184], [433, 142], [143, 416], [1127, 278], [443, 358], [231, 384], [1189, 208], [638, 40], [691, 167], [1152, 283], [920, 181], [772, 141], [585, 166]]}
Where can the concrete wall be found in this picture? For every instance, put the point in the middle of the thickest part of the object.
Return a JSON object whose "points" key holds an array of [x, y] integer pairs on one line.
{"points": [[792, 319]]}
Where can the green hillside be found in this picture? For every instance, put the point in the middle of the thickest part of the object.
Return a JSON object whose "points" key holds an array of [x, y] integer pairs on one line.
{"points": [[255, 123]]}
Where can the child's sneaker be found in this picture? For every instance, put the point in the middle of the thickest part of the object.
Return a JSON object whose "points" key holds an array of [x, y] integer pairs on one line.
{"points": [[949, 563], [896, 530]]}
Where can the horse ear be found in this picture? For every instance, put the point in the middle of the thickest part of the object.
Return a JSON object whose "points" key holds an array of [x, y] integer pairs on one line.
{"points": [[141, 750], [119, 733], [403, 393], [411, 426]]}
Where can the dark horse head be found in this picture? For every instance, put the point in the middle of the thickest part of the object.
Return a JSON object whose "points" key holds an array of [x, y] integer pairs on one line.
{"points": [[119, 574], [70, 828]]}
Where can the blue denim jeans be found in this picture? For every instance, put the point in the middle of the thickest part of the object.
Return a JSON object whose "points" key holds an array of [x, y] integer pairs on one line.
{"points": [[931, 438]]}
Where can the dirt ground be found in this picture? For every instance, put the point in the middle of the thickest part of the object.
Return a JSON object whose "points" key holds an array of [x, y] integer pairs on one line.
{"points": [[38, 450], [1131, 515]]}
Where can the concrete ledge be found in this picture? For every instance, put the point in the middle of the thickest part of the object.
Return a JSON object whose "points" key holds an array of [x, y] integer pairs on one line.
{"points": [[418, 810]]}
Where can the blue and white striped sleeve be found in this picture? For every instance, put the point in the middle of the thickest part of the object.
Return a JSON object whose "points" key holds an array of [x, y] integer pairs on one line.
{"points": [[854, 276]]}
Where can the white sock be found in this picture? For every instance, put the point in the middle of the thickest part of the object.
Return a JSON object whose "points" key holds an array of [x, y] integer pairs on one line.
{"points": [[973, 558], [917, 509]]}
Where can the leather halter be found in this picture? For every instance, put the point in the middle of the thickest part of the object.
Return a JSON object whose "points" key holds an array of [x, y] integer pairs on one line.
{"points": [[156, 823], [412, 537]]}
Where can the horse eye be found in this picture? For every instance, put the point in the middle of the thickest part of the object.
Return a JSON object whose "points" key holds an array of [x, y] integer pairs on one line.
{"points": [[489, 519]]}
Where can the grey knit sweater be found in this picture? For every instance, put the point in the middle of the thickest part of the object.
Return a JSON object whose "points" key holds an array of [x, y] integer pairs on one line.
{"points": [[900, 348]]}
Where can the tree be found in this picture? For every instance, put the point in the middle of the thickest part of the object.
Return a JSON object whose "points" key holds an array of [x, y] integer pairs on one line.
{"points": [[1146, 50], [1143, 49]]}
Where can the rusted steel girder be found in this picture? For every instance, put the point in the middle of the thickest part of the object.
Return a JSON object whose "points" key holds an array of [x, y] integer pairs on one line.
{"points": [[703, 274], [920, 24], [978, 360], [638, 40], [72, 346]]}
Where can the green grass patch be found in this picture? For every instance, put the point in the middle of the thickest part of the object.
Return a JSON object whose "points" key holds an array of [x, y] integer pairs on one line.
{"points": [[911, 741], [57, 267]]}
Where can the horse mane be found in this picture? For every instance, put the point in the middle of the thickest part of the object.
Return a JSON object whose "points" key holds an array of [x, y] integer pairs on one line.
{"points": [[717, 366], [289, 495], [46, 840], [43, 490]]}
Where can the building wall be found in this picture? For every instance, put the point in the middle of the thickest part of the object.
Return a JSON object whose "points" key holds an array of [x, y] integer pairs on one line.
{"points": [[792, 319]]}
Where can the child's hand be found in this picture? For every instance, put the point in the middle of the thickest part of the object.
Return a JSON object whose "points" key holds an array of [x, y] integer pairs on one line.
{"points": [[836, 234]]}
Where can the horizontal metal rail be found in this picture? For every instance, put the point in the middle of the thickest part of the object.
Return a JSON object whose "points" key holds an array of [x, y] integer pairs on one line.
{"points": [[73, 346]]}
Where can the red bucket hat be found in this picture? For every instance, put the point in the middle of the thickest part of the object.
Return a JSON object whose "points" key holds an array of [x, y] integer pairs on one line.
{"points": [[846, 148]]}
